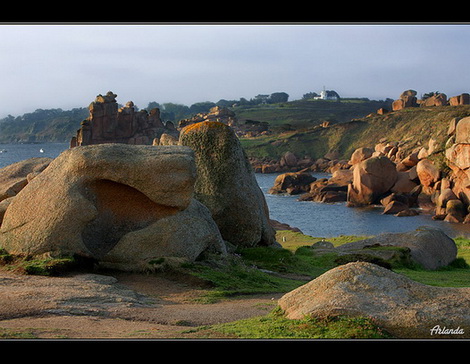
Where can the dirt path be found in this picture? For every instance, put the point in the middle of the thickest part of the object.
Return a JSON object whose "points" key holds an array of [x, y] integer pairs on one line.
{"points": [[118, 305]]}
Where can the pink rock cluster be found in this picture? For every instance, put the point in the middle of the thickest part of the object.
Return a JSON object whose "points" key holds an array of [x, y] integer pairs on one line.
{"points": [[408, 99], [107, 123]]}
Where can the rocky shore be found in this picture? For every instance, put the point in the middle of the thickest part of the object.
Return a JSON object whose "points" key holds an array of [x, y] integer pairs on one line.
{"points": [[431, 179], [156, 197]]}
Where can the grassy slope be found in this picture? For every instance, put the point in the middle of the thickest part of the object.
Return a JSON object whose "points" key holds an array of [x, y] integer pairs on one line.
{"points": [[415, 126], [308, 113]]}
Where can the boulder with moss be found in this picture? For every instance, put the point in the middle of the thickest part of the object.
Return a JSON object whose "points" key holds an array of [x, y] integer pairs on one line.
{"points": [[226, 184]]}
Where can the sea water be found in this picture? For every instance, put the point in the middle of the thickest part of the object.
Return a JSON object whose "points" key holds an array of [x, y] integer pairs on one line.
{"points": [[12, 153], [312, 218], [335, 219]]}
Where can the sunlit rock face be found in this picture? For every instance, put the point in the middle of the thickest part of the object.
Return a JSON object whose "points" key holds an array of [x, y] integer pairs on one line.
{"points": [[119, 204], [107, 123]]}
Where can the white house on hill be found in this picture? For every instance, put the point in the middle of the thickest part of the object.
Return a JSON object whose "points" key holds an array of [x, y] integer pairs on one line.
{"points": [[327, 95]]}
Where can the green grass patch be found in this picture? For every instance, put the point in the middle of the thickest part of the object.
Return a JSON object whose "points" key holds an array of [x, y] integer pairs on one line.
{"points": [[41, 266], [293, 240], [14, 334], [239, 278], [276, 326]]}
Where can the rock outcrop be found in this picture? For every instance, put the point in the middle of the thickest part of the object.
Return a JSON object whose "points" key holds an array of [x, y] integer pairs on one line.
{"points": [[108, 123], [15, 177], [403, 307], [119, 204], [430, 248], [438, 99], [458, 158], [292, 183], [372, 178], [217, 114], [407, 99], [462, 99], [227, 185]]}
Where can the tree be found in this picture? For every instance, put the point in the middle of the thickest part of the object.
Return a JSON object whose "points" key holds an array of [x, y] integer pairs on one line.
{"points": [[430, 94], [201, 107], [261, 99], [309, 95], [277, 97], [153, 105]]}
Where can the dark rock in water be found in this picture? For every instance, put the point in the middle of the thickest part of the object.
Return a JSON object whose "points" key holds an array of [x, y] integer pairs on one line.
{"points": [[283, 226], [292, 183], [395, 207]]}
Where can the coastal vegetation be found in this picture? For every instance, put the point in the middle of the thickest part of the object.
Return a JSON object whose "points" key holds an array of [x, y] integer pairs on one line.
{"points": [[58, 125], [412, 125], [267, 270]]}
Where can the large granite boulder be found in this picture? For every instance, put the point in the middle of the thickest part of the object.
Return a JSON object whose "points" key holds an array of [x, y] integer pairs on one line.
{"points": [[372, 178], [431, 248], [92, 199], [407, 99], [428, 173], [360, 154], [226, 184], [458, 158], [292, 183], [401, 306]]}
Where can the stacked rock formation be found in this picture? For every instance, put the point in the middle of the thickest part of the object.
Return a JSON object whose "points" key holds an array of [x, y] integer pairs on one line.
{"points": [[108, 123], [458, 159], [407, 99]]}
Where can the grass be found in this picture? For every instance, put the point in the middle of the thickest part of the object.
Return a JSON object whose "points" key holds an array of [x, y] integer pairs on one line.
{"points": [[413, 126], [276, 326], [261, 270], [40, 266], [238, 278], [297, 258]]}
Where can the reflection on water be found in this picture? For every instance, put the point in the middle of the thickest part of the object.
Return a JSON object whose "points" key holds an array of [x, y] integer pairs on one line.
{"points": [[329, 220]]}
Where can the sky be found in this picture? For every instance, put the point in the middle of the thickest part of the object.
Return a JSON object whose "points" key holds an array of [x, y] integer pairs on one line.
{"points": [[67, 65]]}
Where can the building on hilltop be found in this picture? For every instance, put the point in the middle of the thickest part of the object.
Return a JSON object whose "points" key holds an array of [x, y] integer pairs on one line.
{"points": [[327, 95]]}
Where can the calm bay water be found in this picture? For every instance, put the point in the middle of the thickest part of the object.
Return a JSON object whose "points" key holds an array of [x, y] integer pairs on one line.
{"points": [[12, 153], [313, 218], [330, 220]]}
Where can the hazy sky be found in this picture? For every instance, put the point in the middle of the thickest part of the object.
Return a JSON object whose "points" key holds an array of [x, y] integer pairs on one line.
{"points": [[66, 66]]}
